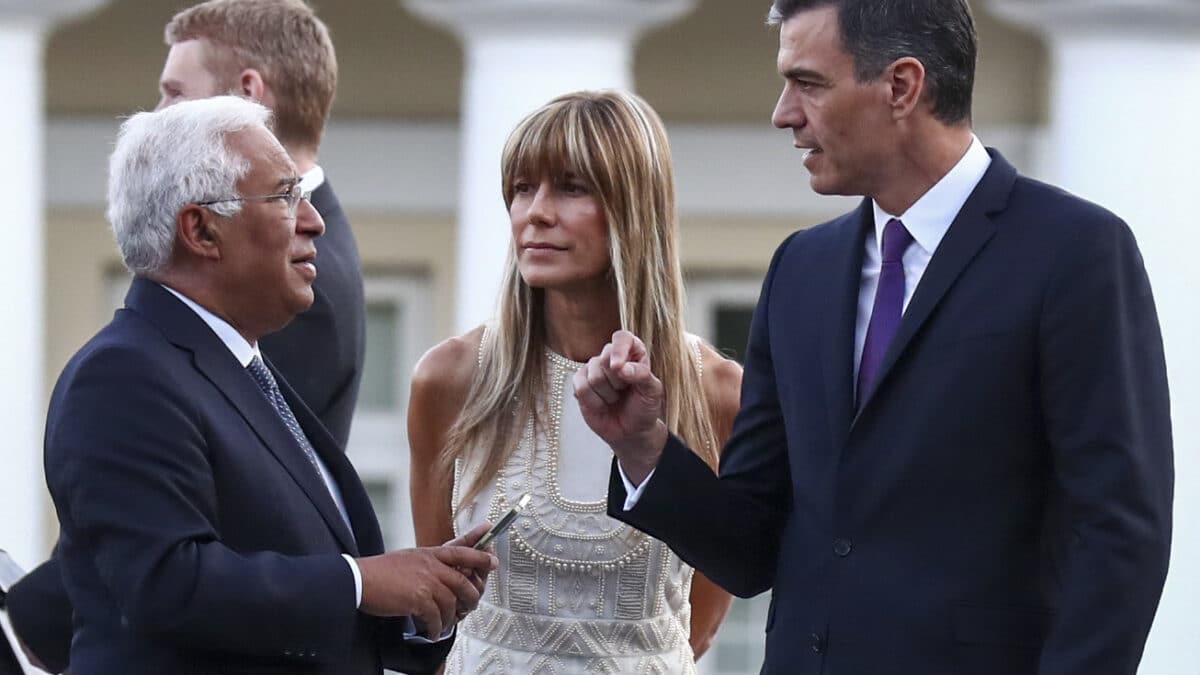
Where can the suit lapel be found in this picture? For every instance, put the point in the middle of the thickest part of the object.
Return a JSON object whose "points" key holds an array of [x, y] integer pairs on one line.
{"points": [[185, 329], [968, 234], [367, 534], [845, 268], [241, 390]]}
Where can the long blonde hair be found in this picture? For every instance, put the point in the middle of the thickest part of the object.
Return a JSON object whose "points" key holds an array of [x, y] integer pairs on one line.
{"points": [[616, 144]]}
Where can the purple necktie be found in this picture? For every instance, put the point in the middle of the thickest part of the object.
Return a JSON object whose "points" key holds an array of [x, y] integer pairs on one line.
{"points": [[889, 302]]}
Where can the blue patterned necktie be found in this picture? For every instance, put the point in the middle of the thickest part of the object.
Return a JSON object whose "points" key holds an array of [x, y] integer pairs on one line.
{"points": [[889, 305], [262, 375]]}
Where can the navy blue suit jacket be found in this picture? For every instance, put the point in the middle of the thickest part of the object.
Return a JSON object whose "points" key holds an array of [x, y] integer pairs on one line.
{"points": [[196, 536], [1001, 504]]}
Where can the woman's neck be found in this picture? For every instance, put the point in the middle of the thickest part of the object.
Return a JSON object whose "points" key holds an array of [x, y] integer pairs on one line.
{"points": [[578, 325]]}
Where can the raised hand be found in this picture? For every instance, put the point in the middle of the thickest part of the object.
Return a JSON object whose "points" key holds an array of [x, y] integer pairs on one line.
{"points": [[429, 584], [622, 401]]}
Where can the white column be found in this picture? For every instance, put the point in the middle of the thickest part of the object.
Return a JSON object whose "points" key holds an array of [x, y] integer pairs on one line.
{"points": [[23, 27], [1125, 133], [520, 54]]}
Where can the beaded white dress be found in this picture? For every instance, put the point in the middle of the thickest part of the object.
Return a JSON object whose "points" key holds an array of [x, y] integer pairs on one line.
{"points": [[576, 591]]}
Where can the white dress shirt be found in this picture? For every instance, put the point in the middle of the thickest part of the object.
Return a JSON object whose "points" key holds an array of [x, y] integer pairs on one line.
{"points": [[927, 221], [312, 179]]}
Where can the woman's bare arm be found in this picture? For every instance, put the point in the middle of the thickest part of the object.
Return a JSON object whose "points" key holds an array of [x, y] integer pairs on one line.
{"points": [[439, 391], [722, 388]]}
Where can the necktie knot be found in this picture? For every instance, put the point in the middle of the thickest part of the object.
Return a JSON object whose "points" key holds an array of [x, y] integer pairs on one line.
{"points": [[896, 241]]}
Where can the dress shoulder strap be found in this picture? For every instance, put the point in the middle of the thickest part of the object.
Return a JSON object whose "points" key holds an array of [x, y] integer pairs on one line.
{"points": [[488, 331]]}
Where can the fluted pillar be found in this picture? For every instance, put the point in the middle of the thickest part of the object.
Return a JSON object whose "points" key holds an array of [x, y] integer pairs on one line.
{"points": [[1124, 132], [518, 55], [24, 25]]}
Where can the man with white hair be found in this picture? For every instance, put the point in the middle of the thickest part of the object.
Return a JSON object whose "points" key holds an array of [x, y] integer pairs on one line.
{"points": [[279, 53], [210, 523]]}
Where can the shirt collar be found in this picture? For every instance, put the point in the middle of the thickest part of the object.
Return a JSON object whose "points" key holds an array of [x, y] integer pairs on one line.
{"points": [[930, 217], [242, 350], [312, 179]]}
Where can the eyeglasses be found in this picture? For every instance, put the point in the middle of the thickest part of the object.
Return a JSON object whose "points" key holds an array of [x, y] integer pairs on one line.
{"points": [[292, 198]]}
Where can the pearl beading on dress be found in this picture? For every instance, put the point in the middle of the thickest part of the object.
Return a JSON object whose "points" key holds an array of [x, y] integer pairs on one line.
{"points": [[577, 591], [560, 369]]}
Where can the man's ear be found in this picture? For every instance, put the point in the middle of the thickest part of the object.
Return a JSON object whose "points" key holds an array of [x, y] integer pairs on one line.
{"points": [[198, 232], [252, 86], [906, 84]]}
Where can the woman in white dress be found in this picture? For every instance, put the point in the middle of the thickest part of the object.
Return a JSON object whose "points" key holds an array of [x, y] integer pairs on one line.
{"points": [[588, 183]]}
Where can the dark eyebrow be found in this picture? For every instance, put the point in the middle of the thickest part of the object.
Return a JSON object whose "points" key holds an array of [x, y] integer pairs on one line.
{"points": [[803, 74]]}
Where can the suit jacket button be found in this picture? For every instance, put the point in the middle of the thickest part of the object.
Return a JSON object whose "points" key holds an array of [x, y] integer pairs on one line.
{"points": [[817, 643], [841, 547]]}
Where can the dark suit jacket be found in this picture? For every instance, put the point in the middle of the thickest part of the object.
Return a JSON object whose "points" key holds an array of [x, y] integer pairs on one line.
{"points": [[1002, 501], [40, 612], [8, 662], [320, 353], [8, 659], [196, 536]]}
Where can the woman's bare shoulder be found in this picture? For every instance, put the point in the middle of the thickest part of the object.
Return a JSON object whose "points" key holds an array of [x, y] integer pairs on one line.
{"points": [[720, 371], [446, 370], [722, 379]]}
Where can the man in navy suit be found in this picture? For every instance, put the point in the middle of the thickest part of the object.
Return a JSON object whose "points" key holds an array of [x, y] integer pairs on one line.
{"points": [[953, 453], [210, 523], [279, 53]]}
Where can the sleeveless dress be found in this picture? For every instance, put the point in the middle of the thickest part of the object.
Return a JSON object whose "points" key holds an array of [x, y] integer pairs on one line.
{"points": [[576, 591]]}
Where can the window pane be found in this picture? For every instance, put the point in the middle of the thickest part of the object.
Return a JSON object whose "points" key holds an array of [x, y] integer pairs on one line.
{"points": [[733, 329], [739, 612], [379, 491], [733, 658], [740, 643], [378, 391]]}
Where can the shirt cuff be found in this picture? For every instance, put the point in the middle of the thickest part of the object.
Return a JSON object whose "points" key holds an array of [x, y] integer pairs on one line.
{"points": [[633, 494], [357, 580], [411, 634]]}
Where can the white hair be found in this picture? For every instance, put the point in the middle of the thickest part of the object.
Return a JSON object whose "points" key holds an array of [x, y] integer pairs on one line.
{"points": [[167, 159]]}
